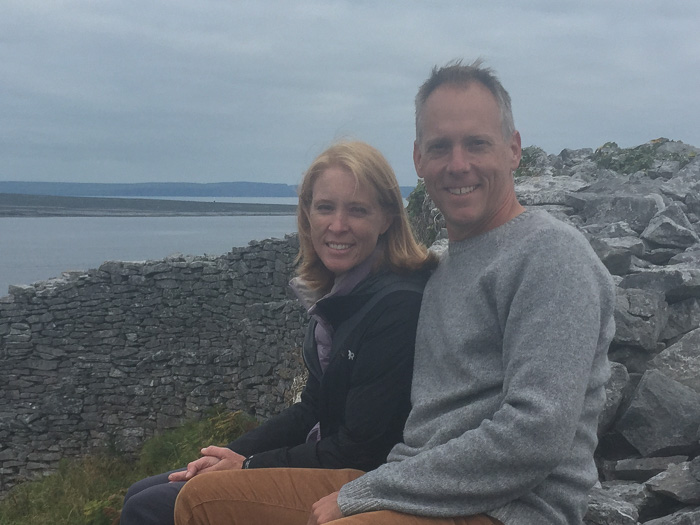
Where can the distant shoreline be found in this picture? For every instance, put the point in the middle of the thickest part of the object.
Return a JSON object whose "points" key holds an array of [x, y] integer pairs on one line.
{"points": [[22, 205]]}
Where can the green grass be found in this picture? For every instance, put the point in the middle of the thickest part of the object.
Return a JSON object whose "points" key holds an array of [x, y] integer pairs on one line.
{"points": [[90, 491]]}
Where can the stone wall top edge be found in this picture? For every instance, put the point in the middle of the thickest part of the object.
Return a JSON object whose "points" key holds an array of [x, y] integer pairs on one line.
{"points": [[176, 260]]}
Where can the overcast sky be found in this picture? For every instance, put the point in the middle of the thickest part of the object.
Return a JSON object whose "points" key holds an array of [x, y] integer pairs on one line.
{"points": [[227, 90]]}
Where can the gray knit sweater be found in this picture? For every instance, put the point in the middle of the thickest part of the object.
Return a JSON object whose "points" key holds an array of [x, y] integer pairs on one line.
{"points": [[509, 375]]}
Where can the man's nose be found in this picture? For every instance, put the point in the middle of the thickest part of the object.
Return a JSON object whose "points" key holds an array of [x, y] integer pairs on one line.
{"points": [[459, 160]]}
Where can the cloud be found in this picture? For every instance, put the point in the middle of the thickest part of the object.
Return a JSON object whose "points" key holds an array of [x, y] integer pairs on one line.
{"points": [[214, 90]]}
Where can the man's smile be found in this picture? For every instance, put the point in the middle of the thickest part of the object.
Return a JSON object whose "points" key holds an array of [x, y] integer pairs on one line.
{"points": [[461, 191]]}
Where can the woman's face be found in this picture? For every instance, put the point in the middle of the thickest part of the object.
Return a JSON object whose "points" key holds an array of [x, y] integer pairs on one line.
{"points": [[346, 220]]}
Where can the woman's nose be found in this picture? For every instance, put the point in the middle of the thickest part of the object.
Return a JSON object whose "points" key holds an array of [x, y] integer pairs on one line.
{"points": [[339, 222]]}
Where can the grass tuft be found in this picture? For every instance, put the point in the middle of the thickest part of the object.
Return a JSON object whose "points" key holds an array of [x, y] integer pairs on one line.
{"points": [[90, 490]]}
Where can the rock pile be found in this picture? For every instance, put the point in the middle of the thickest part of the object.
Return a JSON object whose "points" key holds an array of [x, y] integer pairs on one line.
{"points": [[640, 210]]}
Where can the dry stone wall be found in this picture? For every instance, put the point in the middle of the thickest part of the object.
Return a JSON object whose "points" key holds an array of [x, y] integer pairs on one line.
{"points": [[108, 357]]}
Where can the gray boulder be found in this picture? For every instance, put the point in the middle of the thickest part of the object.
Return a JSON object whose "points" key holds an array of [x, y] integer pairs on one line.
{"points": [[640, 317], [678, 482], [662, 418], [684, 183], [615, 392], [686, 516], [683, 317], [677, 282], [663, 169], [635, 210], [671, 228], [605, 508], [649, 504], [691, 256], [617, 252], [540, 190], [642, 469], [681, 361]]}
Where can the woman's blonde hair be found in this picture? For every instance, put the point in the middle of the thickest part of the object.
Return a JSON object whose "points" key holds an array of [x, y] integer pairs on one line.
{"points": [[400, 251]]}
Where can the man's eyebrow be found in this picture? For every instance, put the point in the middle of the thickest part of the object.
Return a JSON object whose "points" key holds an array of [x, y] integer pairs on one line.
{"points": [[437, 140]]}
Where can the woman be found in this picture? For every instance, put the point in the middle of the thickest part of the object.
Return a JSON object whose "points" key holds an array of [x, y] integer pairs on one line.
{"points": [[361, 276]]}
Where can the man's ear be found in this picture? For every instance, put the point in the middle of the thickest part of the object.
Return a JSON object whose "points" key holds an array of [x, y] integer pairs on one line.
{"points": [[417, 158], [516, 150]]}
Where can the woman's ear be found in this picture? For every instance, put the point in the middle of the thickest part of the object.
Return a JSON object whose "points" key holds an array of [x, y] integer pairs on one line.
{"points": [[388, 221]]}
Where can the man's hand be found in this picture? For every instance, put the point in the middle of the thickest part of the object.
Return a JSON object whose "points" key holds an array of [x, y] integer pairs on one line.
{"points": [[213, 458], [324, 510]]}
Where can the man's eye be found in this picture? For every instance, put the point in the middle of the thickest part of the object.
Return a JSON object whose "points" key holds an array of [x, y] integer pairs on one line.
{"points": [[438, 148], [478, 145]]}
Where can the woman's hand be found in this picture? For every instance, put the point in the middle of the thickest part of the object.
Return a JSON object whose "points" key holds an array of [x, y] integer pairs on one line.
{"points": [[213, 459], [324, 510]]}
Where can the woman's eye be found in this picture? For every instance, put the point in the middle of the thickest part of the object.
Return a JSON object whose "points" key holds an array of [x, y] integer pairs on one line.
{"points": [[324, 208], [358, 210]]}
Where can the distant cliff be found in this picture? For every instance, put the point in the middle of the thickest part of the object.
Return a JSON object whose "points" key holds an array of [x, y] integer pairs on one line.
{"points": [[156, 189], [23, 205], [150, 189]]}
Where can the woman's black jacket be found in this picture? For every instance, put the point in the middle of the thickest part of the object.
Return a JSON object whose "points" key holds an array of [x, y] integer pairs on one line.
{"points": [[363, 399]]}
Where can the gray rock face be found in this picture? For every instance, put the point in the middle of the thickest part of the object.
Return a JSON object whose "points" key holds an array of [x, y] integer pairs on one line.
{"points": [[615, 391], [635, 210], [617, 252], [640, 317], [671, 228], [679, 482], [662, 418], [646, 502], [681, 361], [641, 469], [677, 282], [683, 316], [606, 508], [686, 516]]}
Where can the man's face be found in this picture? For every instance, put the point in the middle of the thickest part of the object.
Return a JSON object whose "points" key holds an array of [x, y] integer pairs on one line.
{"points": [[465, 162]]}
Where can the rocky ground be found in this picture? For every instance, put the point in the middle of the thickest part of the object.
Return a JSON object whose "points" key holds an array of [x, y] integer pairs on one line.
{"points": [[640, 210]]}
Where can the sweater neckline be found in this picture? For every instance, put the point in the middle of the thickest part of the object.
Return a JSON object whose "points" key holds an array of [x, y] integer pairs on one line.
{"points": [[471, 242]]}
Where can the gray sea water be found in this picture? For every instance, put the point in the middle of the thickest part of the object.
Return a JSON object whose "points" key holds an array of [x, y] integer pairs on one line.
{"points": [[39, 248]]}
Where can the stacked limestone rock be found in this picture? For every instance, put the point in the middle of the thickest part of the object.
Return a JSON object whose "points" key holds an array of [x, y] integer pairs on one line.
{"points": [[108, 357], [640, 209]]}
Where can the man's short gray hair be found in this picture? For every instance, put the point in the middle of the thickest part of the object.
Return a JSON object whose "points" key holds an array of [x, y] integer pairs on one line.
{"points": [[461, 76]]}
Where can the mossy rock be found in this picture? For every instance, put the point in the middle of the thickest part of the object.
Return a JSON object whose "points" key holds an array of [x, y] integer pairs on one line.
{"points": [[640, 158]]}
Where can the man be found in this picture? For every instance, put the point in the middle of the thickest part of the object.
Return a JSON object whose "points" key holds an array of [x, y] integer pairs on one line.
{"points": [[511, 350]]}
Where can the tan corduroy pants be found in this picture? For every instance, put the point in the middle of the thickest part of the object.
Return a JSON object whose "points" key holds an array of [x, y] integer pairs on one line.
{"points": [[281, 497]]}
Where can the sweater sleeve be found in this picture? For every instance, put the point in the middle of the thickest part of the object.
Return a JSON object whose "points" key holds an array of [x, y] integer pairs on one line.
{"points": [[556, 319]]}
